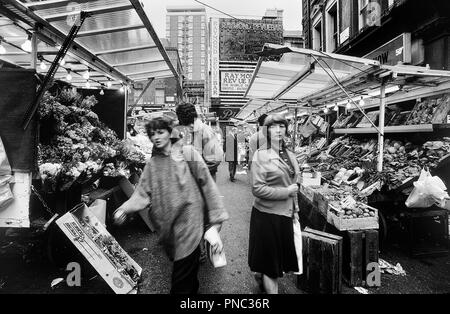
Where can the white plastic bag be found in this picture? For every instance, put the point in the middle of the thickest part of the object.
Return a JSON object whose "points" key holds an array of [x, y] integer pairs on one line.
{"points": [[427, 191], [298, 245]]}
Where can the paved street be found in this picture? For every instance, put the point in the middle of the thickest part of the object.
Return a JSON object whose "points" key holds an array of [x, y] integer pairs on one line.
{"points": [[26, 269], [236, 276]]}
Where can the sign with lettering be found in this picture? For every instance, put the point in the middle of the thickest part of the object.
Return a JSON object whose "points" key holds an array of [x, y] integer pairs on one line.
{"points": [[215, 31], [394, 51], [225, 113], [234, 81]]}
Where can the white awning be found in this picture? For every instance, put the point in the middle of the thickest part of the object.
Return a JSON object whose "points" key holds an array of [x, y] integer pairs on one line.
{"points": [[322, 79], [116, 41]]}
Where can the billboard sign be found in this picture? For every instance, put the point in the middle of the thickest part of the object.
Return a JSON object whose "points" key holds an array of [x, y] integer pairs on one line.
{"points": [[234, 81]]}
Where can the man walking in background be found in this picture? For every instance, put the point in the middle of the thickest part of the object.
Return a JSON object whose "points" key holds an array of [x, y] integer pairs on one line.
{"points": [[203, 137], [231, 151], [258, 139]]}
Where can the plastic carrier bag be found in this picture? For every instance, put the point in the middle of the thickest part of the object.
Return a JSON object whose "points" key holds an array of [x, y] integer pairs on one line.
{"points": [[6, 196], [428, 190]]}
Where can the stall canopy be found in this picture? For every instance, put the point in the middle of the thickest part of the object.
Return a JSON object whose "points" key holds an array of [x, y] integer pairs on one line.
{"points": [[320, 79], [116, 42], [316, 79]]}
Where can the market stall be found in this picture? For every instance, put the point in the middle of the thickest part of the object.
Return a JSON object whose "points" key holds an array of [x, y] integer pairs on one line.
{"points": [[344, 178], [77, 63]]}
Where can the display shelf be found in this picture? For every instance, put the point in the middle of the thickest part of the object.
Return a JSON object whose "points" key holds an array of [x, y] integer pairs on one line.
{"points": [[389, 129]]}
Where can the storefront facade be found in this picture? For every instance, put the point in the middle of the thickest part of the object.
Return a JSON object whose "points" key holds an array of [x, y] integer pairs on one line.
{"points": [[391, 31]]}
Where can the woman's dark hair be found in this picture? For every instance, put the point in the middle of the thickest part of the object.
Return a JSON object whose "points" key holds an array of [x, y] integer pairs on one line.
{"points": [[186, 113], [261, 119], [159, 123], [276, 118]]}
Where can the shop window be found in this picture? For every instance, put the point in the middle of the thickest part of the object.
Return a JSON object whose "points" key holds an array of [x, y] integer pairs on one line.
{"points": [[159, 96], [317, 36], [332, 29]]}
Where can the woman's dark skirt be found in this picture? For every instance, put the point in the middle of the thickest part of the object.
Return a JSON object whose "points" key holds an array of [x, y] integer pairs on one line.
{"points": [[271, 248]]}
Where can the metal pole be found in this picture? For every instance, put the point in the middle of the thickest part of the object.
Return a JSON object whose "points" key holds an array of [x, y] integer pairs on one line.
{"points": [[294, 141], [381, 127], [149, 82], [34, 50]]}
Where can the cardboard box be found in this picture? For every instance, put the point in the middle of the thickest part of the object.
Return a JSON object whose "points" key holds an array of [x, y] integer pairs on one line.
{"points": [[16, 214], [310, 178], [87, 233]]}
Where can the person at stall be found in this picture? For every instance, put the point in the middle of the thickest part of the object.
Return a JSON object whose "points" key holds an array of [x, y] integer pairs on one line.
{"points": [[271, 242], [177, 190], [231, 151], [204, 138]]}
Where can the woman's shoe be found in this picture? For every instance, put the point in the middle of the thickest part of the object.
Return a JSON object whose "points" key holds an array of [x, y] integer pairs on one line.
{"points": [[259, 281]]}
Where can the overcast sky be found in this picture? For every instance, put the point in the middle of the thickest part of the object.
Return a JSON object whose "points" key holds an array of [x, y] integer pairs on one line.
{"points": [[292, 19]]}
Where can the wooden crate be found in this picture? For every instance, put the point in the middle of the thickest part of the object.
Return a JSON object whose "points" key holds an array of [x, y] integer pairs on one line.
{"points": [[322, 203], [308, 193], [322, 263], [360, 248], [353, 223]]}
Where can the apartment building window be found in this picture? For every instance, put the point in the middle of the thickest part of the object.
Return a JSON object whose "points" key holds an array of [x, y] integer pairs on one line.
{"points": [[159, 96], [190, 18], [203, 46], [332, 29], [363, 13], [202, 75], [202, 40], [317, 36]]}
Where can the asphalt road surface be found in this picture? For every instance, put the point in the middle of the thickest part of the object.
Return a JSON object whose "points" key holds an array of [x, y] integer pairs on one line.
{"points": [[25, 267]]}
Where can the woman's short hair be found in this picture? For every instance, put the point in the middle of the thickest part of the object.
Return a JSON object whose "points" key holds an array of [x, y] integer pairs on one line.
{"points": [[186, 113], [275, 118], [158, 123]]}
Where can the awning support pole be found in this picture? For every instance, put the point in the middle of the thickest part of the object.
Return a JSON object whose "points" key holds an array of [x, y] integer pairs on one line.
{"points": [[294, 140], [33, 54], [381, 126], [149, 82], [348, 96]]}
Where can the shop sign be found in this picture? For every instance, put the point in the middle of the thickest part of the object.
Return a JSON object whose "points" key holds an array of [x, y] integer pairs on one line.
{"points": [[394, 51], [215, 57], [225, 113], [344, 35], [234, 81]]}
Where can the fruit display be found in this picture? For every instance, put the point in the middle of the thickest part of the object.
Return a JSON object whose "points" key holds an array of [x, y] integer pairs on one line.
{"points": [[358, 157], [425, 110], [365, 123], [354, 211]]}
